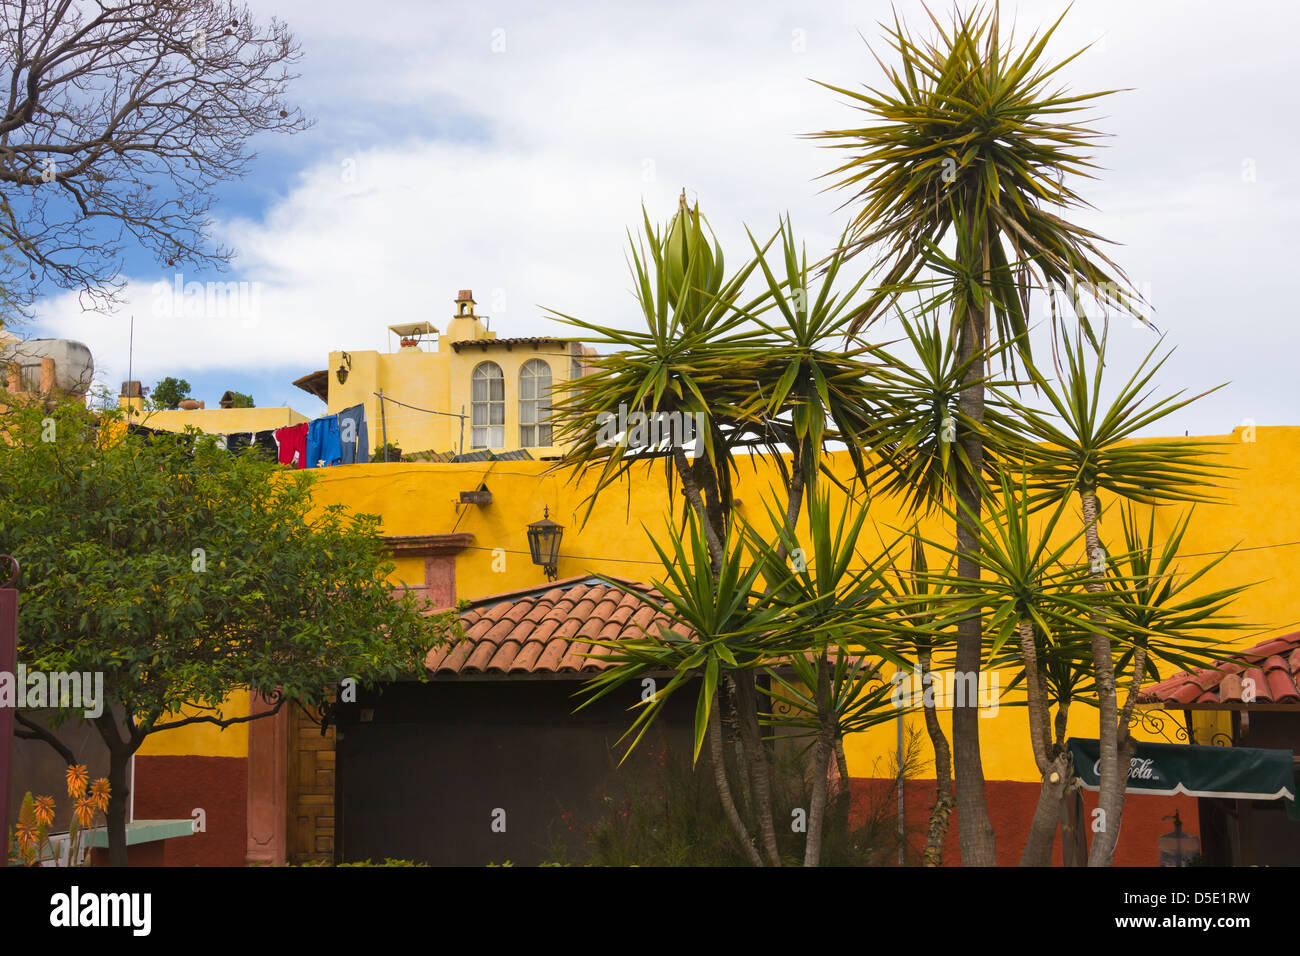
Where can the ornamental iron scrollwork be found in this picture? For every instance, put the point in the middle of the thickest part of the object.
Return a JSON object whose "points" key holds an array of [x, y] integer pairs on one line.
{"points": [[1154, 722]]}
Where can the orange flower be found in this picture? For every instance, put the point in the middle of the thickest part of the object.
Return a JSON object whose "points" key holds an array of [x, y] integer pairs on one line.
{"points": [[45, 811], [99, 792], [26, 835], [77, 777], [85, 812]]}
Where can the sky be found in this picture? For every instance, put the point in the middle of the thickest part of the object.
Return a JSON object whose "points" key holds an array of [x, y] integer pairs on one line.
{"points": [[508, 148]]}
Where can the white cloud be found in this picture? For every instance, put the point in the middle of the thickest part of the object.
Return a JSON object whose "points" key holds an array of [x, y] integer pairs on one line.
{"points": [[519, 172]]}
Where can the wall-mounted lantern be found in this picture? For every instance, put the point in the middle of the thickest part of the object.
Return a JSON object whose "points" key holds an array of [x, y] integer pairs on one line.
{"points": [[344, 367], [544, 543]]}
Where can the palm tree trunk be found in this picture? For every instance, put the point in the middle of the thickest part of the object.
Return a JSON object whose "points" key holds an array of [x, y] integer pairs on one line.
{"points": [[690, 487], [1052, 761], [844, 795], [974, 827], [941, 813], [821, 764], [756, 760], [1110, 800], [724, 787]]}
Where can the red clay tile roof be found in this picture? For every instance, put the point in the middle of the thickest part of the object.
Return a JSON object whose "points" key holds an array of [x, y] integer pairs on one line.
{"points": [[536, 341], [545, 629], [1274, 666]]}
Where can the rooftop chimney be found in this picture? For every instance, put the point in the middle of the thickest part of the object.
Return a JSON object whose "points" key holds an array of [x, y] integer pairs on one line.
{"points": [[465, 303]]}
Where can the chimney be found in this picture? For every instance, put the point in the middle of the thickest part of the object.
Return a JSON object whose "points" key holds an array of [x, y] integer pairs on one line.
{"points": [[465, 304], [47, 376], [131, 397]]}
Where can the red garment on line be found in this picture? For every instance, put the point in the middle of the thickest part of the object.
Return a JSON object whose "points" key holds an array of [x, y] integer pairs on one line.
{"points": [[293, 445]]}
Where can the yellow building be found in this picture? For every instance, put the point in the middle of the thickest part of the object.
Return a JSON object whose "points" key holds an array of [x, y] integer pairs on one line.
{"points": [[457, 391], [222, 420], [458, 530], [455, 550]]}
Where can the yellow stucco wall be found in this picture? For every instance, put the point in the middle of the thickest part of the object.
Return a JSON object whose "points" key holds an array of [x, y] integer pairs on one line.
{"points": [[1259, 510], [219, 421], [203, 739]]}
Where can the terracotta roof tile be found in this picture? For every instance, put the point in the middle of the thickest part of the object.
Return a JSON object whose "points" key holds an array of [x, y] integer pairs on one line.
{"points": [[1273, 666], [547, 629], [1261, 685], [553, 629], [1281, 687]]}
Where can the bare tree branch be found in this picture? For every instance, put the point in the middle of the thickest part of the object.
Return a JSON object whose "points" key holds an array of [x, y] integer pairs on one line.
{"points": [[220, 722], [117, 120], [36, 732]]}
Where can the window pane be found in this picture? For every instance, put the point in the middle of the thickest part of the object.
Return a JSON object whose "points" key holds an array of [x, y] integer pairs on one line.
{"points": [[544, 435]]}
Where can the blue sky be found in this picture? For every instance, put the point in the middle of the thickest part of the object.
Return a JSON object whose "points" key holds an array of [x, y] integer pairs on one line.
{"points": [[507, 148]]}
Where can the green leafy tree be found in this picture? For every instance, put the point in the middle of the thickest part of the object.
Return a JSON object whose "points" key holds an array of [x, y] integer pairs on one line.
{"points": [[183, 574], [170, 392], [959, 175], [240, 400]]}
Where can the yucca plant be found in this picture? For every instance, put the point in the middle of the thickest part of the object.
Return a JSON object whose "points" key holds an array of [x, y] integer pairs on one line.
{"points": [[695, 359], [1085, 448], [719, 624], [812, 387], [761, 374], [919, 416], [1030, 592], [967, 148], [919, 600], [836, 632]]}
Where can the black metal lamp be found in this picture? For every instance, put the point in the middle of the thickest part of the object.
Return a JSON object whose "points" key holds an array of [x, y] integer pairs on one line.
{"points": [[344, 367], [544, 543]]}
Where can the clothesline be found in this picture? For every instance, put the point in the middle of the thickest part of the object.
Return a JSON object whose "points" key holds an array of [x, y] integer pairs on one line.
{"points": [[324, 442]]}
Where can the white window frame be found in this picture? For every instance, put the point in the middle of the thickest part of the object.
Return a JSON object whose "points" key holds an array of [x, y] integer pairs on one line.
{"points": [[535, 382], [487, 411]]}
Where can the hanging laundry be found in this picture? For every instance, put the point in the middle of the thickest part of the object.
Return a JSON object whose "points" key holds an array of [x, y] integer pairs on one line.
{"points": [[352, 425], [323, 445], [292, 440], [238, 442], [264, 442]]}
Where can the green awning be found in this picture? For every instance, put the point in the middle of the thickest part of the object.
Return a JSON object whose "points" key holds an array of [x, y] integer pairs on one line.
{"points": [[1242, 773]]}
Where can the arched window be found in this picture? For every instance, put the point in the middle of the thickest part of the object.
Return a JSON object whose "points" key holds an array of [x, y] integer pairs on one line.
{"points": [[534, 404], [488, 407]]}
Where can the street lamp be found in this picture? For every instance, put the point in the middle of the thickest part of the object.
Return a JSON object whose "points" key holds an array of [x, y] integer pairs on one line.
{"points": [[544, 543]]}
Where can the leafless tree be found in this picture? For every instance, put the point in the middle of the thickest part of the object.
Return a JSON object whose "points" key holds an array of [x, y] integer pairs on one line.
{"points": [[120, 117]]}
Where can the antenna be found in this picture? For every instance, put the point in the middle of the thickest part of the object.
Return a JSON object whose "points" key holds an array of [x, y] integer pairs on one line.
{"points": [[130, 358]]}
